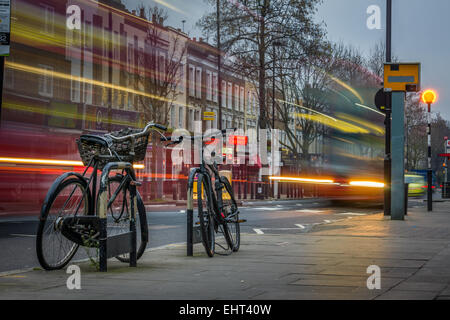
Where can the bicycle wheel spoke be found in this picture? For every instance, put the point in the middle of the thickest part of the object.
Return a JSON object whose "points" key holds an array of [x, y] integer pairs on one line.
{"points": [[54, 249]]}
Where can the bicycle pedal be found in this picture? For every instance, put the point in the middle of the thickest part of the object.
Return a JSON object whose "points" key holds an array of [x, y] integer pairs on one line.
{"points": [[242, 221], [197, 223]]}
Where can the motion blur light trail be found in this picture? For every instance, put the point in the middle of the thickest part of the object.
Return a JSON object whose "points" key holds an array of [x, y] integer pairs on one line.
{"points": [[369, 184], [51, 162], [337, 124], [303, 180]]}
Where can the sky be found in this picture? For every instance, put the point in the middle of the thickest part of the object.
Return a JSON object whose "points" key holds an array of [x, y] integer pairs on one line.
{"points": [[420, 32]]}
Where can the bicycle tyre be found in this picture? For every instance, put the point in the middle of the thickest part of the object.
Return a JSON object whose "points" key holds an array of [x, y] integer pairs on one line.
{"points": [[205, 217], [44, 226], [141, 222], [232, 226]]}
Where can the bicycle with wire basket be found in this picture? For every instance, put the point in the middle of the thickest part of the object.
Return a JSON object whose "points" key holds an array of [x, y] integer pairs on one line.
{"points": [[77, 213], [217, 210]]}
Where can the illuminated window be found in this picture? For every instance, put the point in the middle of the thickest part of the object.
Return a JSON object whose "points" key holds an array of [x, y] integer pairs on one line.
{"points": [[45, 83]]}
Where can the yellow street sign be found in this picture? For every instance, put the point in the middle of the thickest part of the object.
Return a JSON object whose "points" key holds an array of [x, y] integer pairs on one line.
{"points": [[208, 115], [402, 77]]}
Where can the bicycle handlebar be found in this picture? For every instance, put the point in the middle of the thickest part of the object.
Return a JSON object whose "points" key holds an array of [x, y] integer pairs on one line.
{"points": [[144, 132]]}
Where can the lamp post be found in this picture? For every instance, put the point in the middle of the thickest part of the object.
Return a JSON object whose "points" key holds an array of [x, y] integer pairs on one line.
{"points": [[387, 159], [429, 97], [275, 183]]}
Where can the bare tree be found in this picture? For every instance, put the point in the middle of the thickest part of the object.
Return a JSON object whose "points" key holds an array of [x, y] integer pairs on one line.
{"points": [[416, 133], [250, 28], [161, 63], [158, 75]]}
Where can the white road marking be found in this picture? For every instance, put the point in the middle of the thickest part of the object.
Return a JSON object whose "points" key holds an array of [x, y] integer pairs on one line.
{"points": [[351, 214], [182, 211], [258, 231], [266, 209], [22, 235], [310, 211], [299, 204], [300, 226], [327, 221]]}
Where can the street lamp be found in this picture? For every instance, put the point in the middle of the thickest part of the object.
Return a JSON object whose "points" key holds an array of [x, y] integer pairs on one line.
{"points": [[275, 185], [429, 97]]}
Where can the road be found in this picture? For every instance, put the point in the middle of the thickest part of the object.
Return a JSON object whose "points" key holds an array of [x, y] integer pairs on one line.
{"points": [[167, 225]]}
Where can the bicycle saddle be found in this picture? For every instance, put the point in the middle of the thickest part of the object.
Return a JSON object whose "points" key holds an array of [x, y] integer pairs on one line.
{"points": [[93, 139]]}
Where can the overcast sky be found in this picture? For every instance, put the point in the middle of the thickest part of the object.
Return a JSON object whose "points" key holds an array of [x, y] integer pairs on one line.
{"points": [[421, 32]]}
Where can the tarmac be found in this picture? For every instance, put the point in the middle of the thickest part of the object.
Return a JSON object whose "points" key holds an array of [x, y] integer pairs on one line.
{"points": [[329, 261]]}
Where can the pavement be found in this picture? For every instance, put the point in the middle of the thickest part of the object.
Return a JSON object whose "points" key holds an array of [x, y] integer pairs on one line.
{"points": [[327, 261]]}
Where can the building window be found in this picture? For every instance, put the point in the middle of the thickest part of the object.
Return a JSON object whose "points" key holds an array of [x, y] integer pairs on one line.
{"points": [[230, 95], [191, 81], [248, 107], [190, 124], [130, 58], [236, 97], [214, 87], [208, 86], [162, 68], [173, 116], [48, 27], [224, 93], [45, 83], [241, 100], [88, 35], [180, 117], [198, 83]]}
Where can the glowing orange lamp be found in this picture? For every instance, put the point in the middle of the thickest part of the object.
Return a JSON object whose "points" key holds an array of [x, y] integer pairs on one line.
{"points": [[429, 96]]}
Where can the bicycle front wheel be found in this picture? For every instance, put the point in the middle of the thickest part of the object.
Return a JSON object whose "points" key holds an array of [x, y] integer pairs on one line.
{"points": [[70, 198], [205, 214], [230, 211]]}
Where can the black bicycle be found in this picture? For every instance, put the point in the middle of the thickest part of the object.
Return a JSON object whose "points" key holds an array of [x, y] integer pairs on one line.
{"points": [[217, 210], [75, 208]]}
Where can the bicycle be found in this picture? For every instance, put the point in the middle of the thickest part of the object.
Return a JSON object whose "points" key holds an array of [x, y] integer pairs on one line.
{"points": [[217, 211], [76, 212]]}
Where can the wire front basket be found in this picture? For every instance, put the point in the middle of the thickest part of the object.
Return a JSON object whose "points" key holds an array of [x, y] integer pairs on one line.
{"points": [[127, 150]]}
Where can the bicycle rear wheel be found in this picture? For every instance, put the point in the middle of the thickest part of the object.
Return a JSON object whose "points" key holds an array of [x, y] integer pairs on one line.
{"points": [[68, 199], [205, 215], [118, 216], [230, 211]]}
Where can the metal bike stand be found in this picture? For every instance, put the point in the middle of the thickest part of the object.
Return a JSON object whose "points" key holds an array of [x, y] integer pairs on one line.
{"points": [[113, 246], [193, 233]]}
